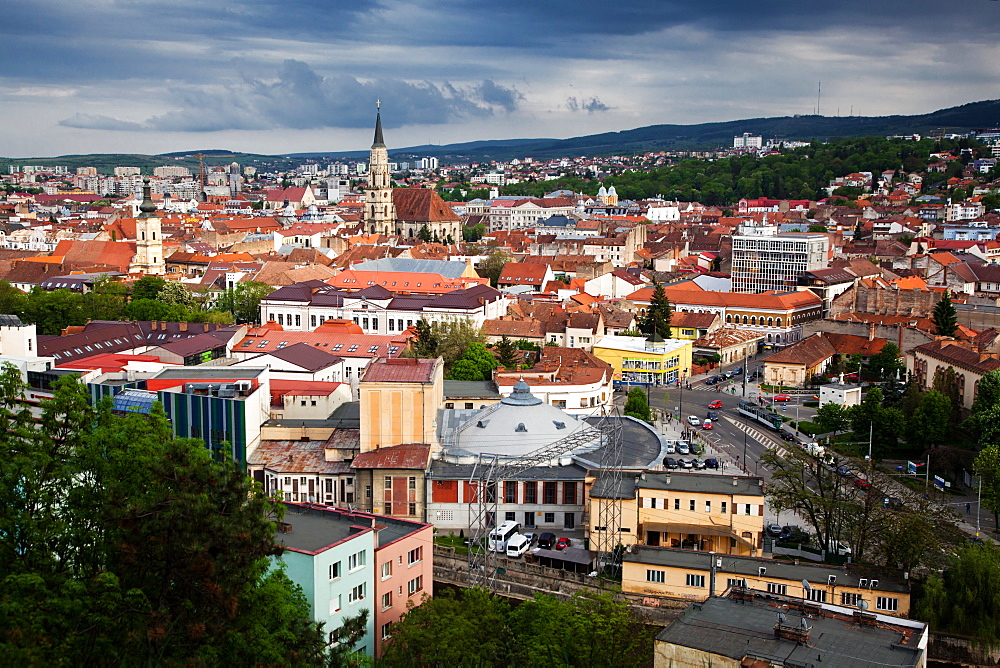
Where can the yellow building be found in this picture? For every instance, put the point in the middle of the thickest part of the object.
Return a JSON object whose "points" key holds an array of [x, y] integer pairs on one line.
{"points": [[695, 511], [685, 574], [399, 401], [652, 361]]}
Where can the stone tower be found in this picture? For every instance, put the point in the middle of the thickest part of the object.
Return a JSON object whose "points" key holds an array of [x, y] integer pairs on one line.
{"points": [[380, 213], [148, 237]]}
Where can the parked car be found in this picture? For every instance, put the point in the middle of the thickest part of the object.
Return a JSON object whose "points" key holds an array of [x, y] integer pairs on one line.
{"points": [[713, 415], [698, 463], [862, 483], [782, 397], [773, 530], [793, 534], [711, 463], [697, 449], [685, 463], [670, 447], [844, 471], [670, 462], [838, 548], [563, 543], [694, 421], [546, 540], [707, 424], [532, 538], [716, 404], [737, 371], [683, 448]]}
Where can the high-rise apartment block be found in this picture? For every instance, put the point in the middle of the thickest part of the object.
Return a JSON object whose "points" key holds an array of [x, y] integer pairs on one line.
{"points": [[765, 260], [746, 140]]}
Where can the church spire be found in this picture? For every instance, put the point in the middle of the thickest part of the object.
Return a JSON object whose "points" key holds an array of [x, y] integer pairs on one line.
{"points": [[147, 208], [379, 142]]}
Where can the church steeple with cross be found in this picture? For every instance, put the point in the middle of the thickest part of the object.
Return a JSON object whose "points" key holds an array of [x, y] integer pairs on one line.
{"points": [[380, 214]]}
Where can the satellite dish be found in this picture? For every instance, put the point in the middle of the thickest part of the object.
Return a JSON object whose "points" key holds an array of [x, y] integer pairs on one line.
{"points": [[862, 604], [805, 587]]}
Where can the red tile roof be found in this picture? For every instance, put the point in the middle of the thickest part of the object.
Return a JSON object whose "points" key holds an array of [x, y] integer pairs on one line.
{"points": [[400, 370], [406, 456]]}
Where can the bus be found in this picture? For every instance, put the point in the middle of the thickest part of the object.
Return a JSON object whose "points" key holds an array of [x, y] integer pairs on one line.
{"points": [[500, 536], [760, 414]]}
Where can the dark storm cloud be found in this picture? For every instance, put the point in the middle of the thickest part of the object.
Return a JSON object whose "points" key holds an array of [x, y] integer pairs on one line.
{"points": [[590, 105], [300, 98]]}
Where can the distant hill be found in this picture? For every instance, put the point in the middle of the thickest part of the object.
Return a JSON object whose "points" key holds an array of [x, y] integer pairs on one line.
{"points": [[974, 115]]}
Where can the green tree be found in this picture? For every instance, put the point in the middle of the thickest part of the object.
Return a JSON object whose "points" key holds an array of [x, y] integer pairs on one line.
{"points": [[507, 353], [424, 234], [886, 363], [931, 421], [492, 266], [473, 233], [965, 597], [476, 363], [53, 311], [832, 418], [637, 404], [987, 468], [816, 227], [946, 382], [945, 318], [120, 544], [148, 287], [178, 294], [243, 301], [425, 343], [154, 309], [12, 300], [454, 338], [657, 317]]}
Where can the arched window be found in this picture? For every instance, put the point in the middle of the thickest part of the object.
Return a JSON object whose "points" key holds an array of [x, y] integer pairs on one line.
{"points": [[768, 338], [770, 321], [744, 320], [779, 322], [753, 320], [729, 319]]}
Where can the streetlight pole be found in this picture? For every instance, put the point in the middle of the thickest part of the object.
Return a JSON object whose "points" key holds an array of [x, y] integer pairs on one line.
{"points": [[979, 504], [680, 408]]}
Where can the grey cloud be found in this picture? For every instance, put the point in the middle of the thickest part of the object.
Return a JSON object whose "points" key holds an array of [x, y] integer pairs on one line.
{"points": [[300, 98], [589, 105], [99, 122]]}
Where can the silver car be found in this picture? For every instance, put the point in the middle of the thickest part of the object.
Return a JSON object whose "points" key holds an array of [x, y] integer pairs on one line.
{"points": [[685, 463], [683, 448], [670, 448]]}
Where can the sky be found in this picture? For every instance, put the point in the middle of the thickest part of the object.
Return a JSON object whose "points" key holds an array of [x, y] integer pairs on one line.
{"points": [[272, 76]]}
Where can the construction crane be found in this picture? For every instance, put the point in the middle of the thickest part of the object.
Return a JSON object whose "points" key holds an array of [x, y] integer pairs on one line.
{"points": [[491, 469]]}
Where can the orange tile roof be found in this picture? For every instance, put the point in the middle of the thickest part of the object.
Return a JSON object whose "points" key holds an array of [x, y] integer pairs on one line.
{"points": [[765, 300]]}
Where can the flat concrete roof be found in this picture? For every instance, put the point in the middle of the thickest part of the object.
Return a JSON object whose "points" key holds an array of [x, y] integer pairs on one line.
{"points": [[315, 529]]}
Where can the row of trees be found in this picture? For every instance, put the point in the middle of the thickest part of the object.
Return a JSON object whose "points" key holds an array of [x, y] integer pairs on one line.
{"points": [[122, 545], [802, 173], [473, 628], [149, 298]]}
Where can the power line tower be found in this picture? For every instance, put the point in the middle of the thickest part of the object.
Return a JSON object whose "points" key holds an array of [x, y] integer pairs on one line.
{"points": [[491, 470], [606, 534]]}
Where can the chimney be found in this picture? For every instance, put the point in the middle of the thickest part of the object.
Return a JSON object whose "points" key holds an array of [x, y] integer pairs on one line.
{"points": [[871, 331], [183, 326], [154, 326]]}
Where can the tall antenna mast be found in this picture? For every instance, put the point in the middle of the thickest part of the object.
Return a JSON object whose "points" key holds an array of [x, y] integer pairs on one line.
{"points": [[819, 89]]}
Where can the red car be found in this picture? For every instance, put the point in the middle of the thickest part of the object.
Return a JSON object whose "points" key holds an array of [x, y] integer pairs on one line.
{"points": [[707, 424], [861, 483], [782, 397], [563, 543], [715, 404]]}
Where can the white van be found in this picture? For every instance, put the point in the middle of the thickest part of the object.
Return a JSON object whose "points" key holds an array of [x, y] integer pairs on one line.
{"points": [[517, 545]]}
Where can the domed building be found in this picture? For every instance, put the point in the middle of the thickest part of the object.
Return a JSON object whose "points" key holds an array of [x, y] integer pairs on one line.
{"points": [[547, 497]]}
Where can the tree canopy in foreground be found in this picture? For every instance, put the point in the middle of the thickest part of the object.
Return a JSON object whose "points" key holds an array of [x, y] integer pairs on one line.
{"points": [[122, 545]]}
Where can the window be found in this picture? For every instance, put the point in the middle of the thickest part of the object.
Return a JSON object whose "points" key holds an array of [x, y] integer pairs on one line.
{"points": [[356, 561], [775, 588], [385, 630], [847, 598], [723, 508], [368, 491], [569, 493], [298, 320], [569, 520], [356, 594], [735, 582], [549, 492], [817, 595], [335, 570], [677, 504], [414, 556], [412, 509], [412, 482], [887, 603], [510, 516], [387, 600], [550, 518], [388, 482], [692, 580], [655, 576], [387, 570], [531, 492], [510, 492], [652, 503], [335, 604], [691, 504], [414, 585], [387, 508], [708, 506]]}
